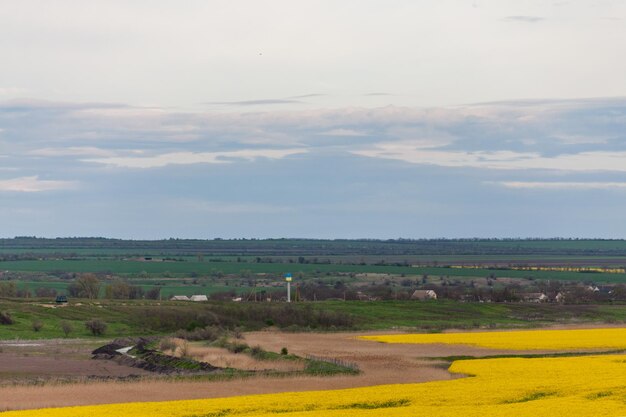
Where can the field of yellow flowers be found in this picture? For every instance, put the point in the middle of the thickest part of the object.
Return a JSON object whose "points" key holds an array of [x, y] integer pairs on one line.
{"points": [[588, 386], [520, 340]]}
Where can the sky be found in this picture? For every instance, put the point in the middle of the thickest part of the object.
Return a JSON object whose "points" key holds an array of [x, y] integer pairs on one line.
{"points": [[321, 119]]}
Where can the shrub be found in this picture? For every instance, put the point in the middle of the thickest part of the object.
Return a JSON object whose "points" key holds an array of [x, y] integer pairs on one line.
{"points": [[284, 351], [183, 349], [37, 325], [45, 292], [167, 344], [237, 347], [96, 326], [66, 327], [209, 333], [257, 352], [5, 318]]}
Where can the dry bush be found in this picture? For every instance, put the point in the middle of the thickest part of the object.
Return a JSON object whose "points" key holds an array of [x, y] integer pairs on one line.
{"points": [[66, 327], [37, 325], [5, 318], [167, 344], [209, 333], [183, 349], [96, 326]]}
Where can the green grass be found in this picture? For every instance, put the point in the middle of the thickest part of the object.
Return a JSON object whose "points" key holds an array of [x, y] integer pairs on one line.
{"points": [[188, 268], [326, 368], [168, 288], [132, 318], [437, 315], [537, 395], [525, 356]]}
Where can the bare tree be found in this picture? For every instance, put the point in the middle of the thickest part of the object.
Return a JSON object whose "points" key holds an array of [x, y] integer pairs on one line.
{"points": [[89, 286]]}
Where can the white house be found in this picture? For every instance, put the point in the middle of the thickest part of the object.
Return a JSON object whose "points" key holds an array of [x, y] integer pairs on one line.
{"points": [[424, 295], [199, 298]]}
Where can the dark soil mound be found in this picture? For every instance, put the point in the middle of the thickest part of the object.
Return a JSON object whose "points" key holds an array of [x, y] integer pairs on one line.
{"points": [[150, 359]]}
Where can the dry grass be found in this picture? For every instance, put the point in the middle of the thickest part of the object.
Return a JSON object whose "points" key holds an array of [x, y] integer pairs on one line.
{"points": [[222, 358]]}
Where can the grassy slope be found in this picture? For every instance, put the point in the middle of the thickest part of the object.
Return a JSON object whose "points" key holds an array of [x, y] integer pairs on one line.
{"points": [[126, 318]]}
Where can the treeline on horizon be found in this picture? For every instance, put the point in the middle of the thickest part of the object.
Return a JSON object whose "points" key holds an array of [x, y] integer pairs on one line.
{"points": [[328, 247]]}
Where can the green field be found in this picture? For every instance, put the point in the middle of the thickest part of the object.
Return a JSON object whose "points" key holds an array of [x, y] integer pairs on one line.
{"points": [[154, 317], [316, 247], [189, 268]]}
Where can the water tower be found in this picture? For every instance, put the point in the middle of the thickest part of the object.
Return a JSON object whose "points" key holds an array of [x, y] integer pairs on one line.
{"points": [[288, 279]]}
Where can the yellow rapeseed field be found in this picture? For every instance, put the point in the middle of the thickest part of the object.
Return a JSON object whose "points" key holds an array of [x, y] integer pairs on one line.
{"points": [[586, 386], [520, 340]]}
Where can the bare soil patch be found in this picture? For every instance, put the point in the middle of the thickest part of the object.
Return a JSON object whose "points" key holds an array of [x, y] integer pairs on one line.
{"points": [[56, 360]]}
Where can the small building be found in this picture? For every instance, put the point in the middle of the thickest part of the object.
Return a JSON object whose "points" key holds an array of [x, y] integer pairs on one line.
{"points": [[363, 297], [534, 297], [179, 298], [423, 295], [198, 298]]}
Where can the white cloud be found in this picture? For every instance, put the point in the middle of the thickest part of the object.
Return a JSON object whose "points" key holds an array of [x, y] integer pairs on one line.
{"points": [[34, 184], [73, 151], [12, 91], [416, 153], [562, 185], [581, 139], [226, 207], [187, 158], [343, 132]]}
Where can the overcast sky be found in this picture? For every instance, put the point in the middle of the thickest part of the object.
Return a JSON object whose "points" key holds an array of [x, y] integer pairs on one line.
{"points": [[324, 119]]}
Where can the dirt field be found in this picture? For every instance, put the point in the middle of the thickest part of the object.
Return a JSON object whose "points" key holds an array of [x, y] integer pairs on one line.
{"points": [[22, 362], [380, 363]]}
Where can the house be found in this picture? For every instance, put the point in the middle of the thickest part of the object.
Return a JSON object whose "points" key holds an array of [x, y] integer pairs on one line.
{"points": [[534, 297], [362, 297], [179, 298], [198, 298], [424, 295], [559, 298]]}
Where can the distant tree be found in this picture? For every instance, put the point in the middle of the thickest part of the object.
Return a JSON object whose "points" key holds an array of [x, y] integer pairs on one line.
{"points": [[23, 293], [45, 292], [8, 289], [96, 326], [66, 327], [135, 292], [153, 293], [89, 286]]}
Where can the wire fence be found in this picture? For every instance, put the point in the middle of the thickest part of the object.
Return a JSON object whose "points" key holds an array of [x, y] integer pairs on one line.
{"points": [[346, 364]]}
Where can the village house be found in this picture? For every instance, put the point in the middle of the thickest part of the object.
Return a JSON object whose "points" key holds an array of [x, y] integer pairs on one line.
{"points": [[534, 297], [423, 295]]}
